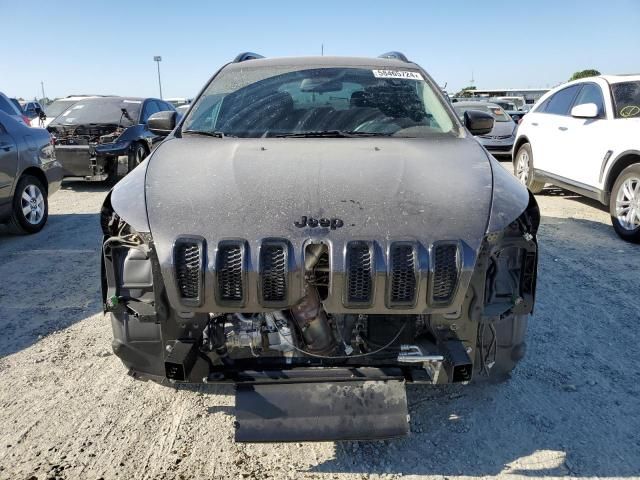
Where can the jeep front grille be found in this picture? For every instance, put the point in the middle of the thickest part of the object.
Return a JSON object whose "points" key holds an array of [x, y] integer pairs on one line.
{"points": [[402, 263], [188, 256], [230, 272], [445, 274], [359, 270], [273, 272]]}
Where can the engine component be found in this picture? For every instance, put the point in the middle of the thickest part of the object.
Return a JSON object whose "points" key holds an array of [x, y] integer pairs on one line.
{"points": [[180, 360], [313, 324]]}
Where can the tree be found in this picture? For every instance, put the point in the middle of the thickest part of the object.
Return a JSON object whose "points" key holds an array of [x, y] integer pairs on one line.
{"points": [[584, 74], [466, 91]]}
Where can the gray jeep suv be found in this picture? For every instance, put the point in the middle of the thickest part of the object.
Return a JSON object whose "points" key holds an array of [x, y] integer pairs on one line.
{"points": [[320, 231]]}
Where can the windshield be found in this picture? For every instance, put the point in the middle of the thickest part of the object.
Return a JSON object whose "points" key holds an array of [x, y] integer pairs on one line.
{"points": [[284, 101], [626, 99], [494, 110], [57, 107], [101, 110]]}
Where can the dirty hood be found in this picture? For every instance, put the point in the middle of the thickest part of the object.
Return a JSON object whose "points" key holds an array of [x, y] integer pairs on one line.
{"points": [[253, 188], [379, 190]]}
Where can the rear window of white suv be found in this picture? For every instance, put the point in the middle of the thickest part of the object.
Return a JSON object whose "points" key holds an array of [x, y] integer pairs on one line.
{"points": [[626, 99]]}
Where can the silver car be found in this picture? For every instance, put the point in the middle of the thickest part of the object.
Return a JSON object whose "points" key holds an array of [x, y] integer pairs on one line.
{"points": [[499, 141]]}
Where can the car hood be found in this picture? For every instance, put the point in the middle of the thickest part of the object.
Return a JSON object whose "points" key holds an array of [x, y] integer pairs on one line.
{"points": [[382, 188]]}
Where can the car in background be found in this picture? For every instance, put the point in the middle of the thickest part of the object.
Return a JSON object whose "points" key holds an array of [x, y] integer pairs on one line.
{"points": [[7, 106], [32, 109], [584, 136], [56, 107], [509, 108], [520, 103], [94, 132], [29, 174], [499, 141], [182, 110], [179, 101]]}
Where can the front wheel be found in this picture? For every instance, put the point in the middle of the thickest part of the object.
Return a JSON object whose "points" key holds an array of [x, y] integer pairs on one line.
{"points": [[523, 169], [624, 205], [30, 206], [136, 156]]}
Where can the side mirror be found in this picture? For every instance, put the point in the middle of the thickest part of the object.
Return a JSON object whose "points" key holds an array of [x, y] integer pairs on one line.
{"points": [[477, 122], [586, 110], [162, 123]]}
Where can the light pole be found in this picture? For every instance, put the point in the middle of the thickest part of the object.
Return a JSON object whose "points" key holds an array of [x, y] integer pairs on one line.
{"points": [[158, 59]]}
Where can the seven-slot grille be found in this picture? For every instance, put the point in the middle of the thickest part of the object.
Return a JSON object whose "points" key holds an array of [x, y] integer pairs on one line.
{"points": [[445, 275], [359, 273], [402, 263], [402, 281], [229, 272], [188, 265], [273, 272]]}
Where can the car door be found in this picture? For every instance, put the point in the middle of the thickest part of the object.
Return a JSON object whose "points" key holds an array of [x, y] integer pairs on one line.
{"points": [[551, 125], [8, 165], [586, 139]]}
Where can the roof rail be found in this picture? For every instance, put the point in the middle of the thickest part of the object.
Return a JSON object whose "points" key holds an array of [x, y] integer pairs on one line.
{"points": [[244, 56], [395, 55]]}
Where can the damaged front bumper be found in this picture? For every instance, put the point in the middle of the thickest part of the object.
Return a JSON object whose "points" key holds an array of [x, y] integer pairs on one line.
{"points": [[93, 162], [318, 369]]}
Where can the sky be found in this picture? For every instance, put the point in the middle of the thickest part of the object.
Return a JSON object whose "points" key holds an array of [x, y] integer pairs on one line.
{"points": [[107, 47]]}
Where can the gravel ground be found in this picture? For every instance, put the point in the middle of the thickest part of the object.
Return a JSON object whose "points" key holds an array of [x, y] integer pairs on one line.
{"points": [[68, 409]]}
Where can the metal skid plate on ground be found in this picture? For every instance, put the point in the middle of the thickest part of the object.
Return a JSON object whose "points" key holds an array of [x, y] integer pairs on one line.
{"points": [[297, 412]]}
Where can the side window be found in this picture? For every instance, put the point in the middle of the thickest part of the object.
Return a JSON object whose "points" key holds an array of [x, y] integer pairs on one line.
{"points": [[591, 93], [149, 109], [542, 108], [6, 107], [560, 103]]}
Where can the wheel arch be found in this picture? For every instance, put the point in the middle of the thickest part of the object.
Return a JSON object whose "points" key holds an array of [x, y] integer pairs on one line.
{"points": [[519, 142], [621, 162], [35, 172]]}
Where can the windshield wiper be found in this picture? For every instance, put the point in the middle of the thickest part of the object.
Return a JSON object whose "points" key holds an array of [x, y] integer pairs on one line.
{"points": [[206, 133], [332, 134]]}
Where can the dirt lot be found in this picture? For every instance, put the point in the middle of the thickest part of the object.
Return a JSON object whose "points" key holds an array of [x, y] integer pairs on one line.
{"points": [[68, 410]]}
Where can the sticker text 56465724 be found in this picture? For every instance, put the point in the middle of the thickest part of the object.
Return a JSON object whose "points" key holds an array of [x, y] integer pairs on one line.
{"points": [[406, 74]]}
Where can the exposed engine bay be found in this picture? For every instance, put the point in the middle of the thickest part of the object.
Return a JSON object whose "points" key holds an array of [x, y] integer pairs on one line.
{"points": [[477, 338], [85, 134]]}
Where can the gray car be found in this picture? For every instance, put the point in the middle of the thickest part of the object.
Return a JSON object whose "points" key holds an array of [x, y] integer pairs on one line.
{"points": [[10, 108], [499, 141], [29, 174], [319, 231]]}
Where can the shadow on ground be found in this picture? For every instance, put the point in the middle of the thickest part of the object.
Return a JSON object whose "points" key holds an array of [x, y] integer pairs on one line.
{"points": [[48, 280], [551, 191]]}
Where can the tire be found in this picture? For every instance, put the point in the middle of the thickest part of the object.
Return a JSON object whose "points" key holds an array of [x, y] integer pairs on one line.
{"points": [[136, 156], [523, 169], [112, 173], [30, 208], [624, 206]]}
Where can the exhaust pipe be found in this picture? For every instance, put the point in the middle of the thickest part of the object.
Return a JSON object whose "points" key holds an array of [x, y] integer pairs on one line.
{"points": [[313, 323]]}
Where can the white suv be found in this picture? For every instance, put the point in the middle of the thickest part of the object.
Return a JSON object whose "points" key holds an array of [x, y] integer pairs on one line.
{"points": [[585, 136]]}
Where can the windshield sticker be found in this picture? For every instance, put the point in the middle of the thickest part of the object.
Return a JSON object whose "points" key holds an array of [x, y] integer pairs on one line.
{"points": [[397, 74], [629, 111], [131, 101]]}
